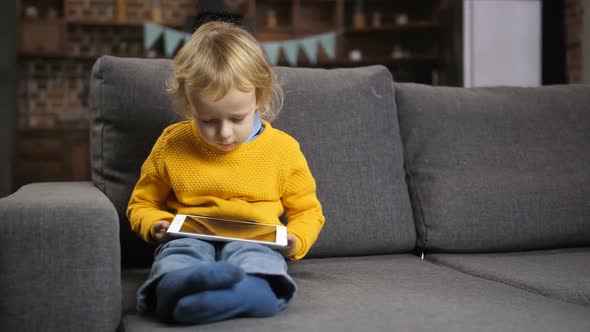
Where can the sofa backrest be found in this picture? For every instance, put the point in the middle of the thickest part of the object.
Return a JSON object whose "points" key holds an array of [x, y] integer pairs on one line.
{"points": [[497, 169], [345, 121], [129, 111]]}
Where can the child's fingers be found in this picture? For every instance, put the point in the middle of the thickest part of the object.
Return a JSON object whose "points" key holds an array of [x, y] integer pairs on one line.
{"points": [[291, 240], [160, 225], [161, 234]]}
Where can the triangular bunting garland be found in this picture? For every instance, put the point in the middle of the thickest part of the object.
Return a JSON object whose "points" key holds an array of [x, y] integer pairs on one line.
{"points": [[151, 33], [291, 47], [310, 47], [171, 40], [272, 52], [328, 42]]}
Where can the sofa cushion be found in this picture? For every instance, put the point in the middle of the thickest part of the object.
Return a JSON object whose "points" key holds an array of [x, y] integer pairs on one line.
{"points": [[497, 169], [562, 274], [398, 293], [344, 119], [346, 123], [130, 108]]}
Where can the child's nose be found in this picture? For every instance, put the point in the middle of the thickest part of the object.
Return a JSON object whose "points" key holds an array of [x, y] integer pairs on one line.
{"points": [[225, 130]]}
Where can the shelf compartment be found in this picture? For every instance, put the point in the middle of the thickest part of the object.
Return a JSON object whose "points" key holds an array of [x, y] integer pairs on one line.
{"points": [[274, 15], [417, 25], [43, 35], [316, 16]]}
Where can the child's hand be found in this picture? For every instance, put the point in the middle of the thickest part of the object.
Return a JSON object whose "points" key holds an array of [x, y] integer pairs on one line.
{"points": [[160, 227], [291, 244]]}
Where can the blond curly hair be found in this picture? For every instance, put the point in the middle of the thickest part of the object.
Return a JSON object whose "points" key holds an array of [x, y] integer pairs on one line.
{"points": [[218, 57]]}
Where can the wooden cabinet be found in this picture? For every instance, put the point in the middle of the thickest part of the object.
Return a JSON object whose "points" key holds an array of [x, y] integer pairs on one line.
{"points": [[52, 155], [42, 36]]}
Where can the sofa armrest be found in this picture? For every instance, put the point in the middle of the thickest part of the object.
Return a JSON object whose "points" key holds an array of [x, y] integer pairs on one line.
{"points": [[59, 259]]}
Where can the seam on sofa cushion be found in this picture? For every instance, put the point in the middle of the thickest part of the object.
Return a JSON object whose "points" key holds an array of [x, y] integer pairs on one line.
{"points": [[418, 215], [97, 85], [414, 193], [101, 110], [516, 285]]}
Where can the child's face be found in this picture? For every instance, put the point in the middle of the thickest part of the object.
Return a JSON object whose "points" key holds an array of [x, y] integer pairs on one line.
{"points": [[227, 122]]}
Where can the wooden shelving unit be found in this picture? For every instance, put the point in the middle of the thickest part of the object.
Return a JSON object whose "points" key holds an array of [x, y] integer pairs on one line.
{"points": [[401, 35], [59, 42], [394, 28]]}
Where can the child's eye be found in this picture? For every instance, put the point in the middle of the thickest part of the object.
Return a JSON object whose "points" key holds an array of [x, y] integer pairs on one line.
{"points": [[207, 121], [237, 120]]}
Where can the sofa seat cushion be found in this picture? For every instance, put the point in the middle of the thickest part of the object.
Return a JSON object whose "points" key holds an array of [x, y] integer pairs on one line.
{"points": [[399, 293], [562, 274], [131, 280]]}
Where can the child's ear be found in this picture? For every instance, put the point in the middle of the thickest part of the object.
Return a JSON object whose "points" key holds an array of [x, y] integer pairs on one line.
{"points": [[258, 98], [187, 103], [188, 109]]}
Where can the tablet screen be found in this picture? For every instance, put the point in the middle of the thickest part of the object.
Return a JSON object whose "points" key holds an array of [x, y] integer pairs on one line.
{"points": [[229, 228]]}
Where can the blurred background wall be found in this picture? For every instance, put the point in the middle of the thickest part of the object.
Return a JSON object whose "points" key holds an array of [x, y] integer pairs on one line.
{"points": [[49, 47]]}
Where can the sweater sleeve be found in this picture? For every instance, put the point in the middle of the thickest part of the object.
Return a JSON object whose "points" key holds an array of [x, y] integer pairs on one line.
{"points": [[305, 218], [148, 199]]}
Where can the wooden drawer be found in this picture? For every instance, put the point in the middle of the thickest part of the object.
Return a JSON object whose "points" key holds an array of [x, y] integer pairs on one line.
{"points": [[37, 144], [42, 36], [52, 155]]}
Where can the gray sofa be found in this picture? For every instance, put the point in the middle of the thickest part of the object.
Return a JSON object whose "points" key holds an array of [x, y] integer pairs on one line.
{"points": [[447, 209]]}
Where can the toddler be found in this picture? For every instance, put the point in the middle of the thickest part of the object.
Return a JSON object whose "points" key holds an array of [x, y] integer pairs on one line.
{"points": [[225, 161]]}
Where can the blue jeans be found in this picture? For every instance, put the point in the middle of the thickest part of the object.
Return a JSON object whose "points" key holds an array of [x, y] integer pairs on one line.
{"points": [[251, 257]]}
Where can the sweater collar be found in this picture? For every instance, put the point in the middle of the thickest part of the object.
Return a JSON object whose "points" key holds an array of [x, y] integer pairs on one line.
{"points": [[263, 136], [256, 129]]}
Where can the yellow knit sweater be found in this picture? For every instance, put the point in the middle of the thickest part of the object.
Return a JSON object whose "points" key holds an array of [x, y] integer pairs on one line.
{"points": [[256, 181]]}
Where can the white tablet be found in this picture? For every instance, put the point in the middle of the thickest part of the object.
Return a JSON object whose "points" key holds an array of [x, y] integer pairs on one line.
{"points": [[226, 230]]}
